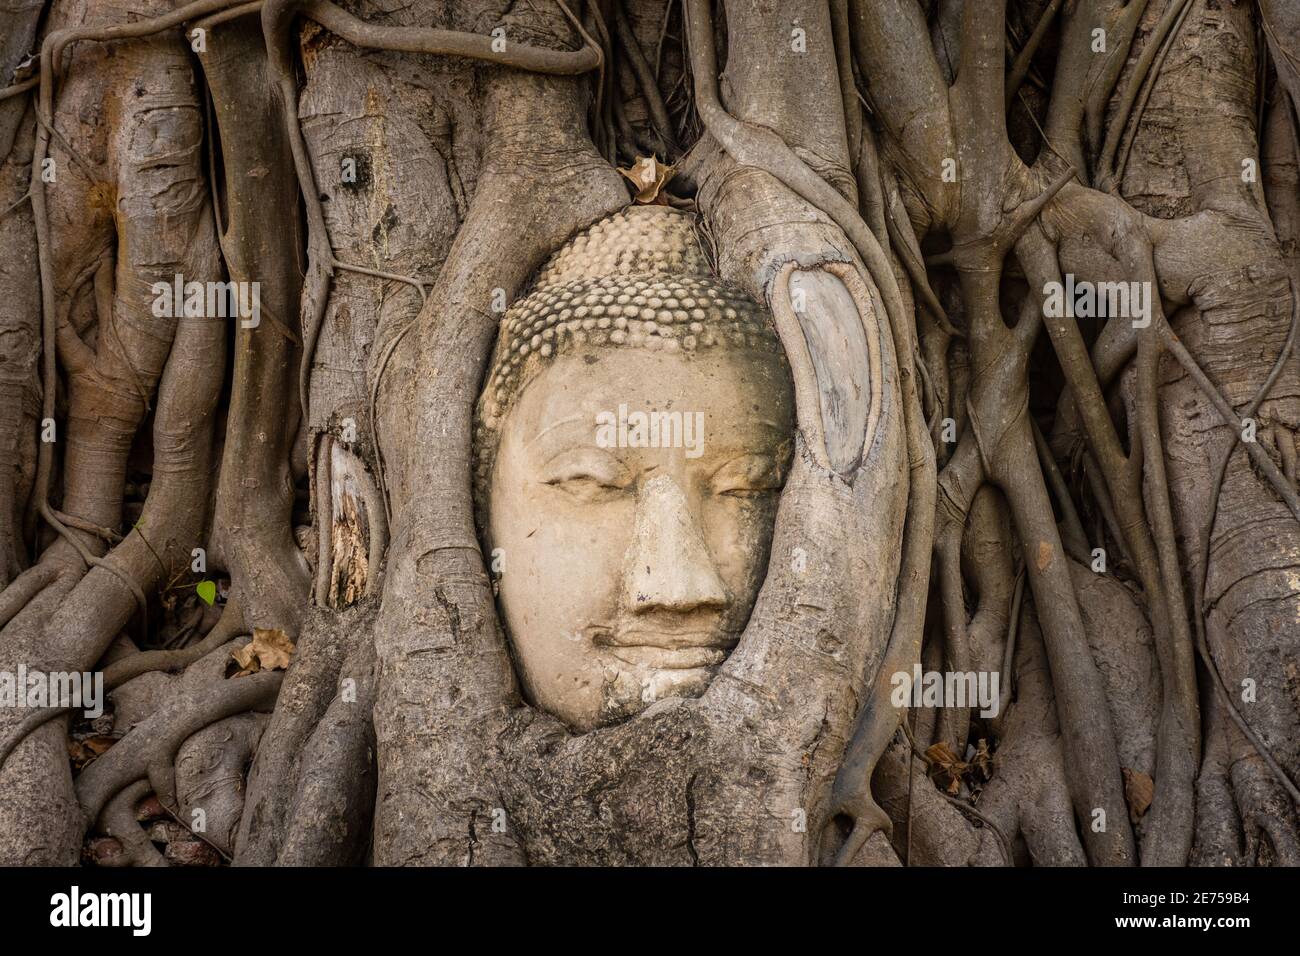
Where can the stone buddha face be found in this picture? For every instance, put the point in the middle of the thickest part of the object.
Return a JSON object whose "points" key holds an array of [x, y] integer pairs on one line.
{"points": [[632, 454]]}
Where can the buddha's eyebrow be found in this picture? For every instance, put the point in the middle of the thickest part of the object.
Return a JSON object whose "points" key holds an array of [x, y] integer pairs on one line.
{"points": [[772, 426], [554, 425]]}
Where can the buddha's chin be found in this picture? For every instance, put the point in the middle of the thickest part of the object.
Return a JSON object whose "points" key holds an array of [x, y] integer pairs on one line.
{"points": [[636, 678]]}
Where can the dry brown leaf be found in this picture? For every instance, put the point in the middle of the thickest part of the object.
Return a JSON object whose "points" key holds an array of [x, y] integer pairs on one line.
{"points": [[947, 764], [1138, 790], [649, 176], [88, 748], [941, 754], [269, 650]]}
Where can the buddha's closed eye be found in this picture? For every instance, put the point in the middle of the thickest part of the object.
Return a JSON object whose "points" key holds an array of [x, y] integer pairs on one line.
{"points": [[588, 474], [749, 476], [592, 475]]}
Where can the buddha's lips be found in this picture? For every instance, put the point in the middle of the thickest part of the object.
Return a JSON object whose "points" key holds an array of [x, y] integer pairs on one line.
{"points": [[668, 648]]}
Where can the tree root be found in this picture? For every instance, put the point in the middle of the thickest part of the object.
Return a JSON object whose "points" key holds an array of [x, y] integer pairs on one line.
{"points": [[1258, 456], [435, 577], [751, 145], [277, 17], [19, 592], [128, 668], [329, 824], [310, 685], [1201, 612], [118, 821], [928, 830], [967, 809], [51, 63], [150, 748], [210, 778]]}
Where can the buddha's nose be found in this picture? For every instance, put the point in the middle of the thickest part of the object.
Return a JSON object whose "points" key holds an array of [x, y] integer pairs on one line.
{"points": [[669, 566]]}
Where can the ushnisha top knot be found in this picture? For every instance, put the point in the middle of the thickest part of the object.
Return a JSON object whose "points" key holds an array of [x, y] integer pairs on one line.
{"points": [[636, 279], [638, 240]]}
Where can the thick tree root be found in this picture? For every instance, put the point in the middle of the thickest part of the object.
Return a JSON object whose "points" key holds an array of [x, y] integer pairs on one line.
{"points": [[119, 821], [151, 747], [285, 755]]}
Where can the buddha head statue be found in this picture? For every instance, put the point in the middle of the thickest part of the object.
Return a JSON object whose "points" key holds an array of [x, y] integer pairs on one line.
{"points": [[631, 441]]}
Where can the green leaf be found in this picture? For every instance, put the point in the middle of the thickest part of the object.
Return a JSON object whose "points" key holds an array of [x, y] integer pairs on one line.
{"points": [[207, 590]]}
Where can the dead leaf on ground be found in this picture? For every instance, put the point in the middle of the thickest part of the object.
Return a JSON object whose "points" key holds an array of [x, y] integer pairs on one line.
{"points": [[649, 176], [88, 748], [1138, 790], [950, 771], [946, 764], [269, 650]]}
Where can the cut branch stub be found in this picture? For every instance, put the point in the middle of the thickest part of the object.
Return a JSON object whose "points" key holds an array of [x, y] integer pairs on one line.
{"points": [[828, 326]]}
